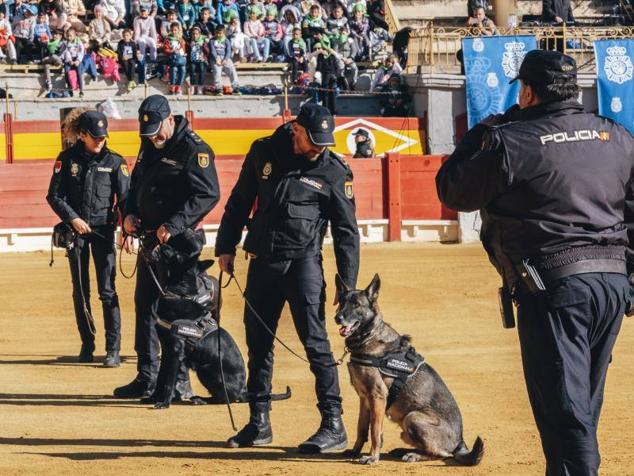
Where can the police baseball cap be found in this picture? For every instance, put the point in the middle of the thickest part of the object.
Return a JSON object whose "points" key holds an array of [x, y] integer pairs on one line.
{"points": [[153, 110], [544, 67], [93, 123], [318, 122], [362, 132]]}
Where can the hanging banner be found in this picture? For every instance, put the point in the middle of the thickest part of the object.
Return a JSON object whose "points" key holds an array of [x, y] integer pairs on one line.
{"points": [[615, 83], [490, 63]]}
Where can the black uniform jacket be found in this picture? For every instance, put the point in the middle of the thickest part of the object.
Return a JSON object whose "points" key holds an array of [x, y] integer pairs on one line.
{"points": [[295, 200], [84, 185], [175, 186], [364, 150], [548, 178]]}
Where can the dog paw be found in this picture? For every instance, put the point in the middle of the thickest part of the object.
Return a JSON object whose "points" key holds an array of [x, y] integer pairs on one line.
{"points": [[197, 401], [351, 453], [412, 457], [161, 405], [369, 459]]}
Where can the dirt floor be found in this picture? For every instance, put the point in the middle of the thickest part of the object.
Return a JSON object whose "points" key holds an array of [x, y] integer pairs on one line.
{"points": [[57, 416]]}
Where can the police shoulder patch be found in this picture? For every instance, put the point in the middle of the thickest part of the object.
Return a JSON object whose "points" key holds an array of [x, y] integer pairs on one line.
{"points": [[348, 190], [58, 166], [203, 160], [124, 170]]}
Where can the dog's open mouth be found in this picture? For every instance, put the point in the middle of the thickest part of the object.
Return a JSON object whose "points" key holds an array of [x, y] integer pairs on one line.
{"points": [[345, 331]]}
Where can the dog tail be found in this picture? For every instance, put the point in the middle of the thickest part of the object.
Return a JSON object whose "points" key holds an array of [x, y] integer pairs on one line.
{"points": [[282, 396], [469, 458]]}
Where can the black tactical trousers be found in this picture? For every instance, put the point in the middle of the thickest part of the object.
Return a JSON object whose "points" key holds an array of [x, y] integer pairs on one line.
{"points": [[300, 282], [146, 338], [566, 336], [104, 258]]}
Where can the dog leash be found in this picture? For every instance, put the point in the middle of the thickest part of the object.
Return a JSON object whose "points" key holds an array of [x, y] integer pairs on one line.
{"points": [[232, 277], [222, 373]]}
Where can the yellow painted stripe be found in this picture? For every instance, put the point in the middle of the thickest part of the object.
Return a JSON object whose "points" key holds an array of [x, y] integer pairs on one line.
{"points": [[47, 145]]}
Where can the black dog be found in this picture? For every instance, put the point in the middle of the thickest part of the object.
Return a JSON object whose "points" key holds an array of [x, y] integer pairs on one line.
{"points": [[187, 324]]}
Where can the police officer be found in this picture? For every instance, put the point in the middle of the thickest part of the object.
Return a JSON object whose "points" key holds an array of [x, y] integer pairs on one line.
{"points": [[363, 145], [89, 181], [551, 182], [174, 186], [299, 185]]}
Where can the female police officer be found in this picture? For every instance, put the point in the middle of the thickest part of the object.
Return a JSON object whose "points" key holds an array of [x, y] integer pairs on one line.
{"points": [[87, 178]]}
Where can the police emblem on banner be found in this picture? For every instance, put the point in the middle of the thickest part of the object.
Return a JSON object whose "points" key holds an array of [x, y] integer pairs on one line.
{"points": [[124, 170], [58, 166], [478, 45], [512, 58], [348, 189], [74, 169], [618, 65], [616, 105], [203, 160]]}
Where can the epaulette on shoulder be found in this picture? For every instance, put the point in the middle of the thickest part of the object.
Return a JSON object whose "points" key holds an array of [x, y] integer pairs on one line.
{"points": [[195, 137]]}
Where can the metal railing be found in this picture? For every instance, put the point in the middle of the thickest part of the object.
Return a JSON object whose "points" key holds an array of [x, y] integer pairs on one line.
{"points": [[435, 49]]}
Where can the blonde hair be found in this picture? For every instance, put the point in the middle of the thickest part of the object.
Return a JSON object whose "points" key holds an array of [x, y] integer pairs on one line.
{"points": [[70, 126]]}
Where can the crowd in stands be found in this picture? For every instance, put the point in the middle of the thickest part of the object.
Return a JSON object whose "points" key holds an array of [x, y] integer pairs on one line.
{"points": [[134, 40]]}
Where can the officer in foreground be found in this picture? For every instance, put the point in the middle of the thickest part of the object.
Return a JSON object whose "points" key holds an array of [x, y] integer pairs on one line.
{"points": [[553, 184], [88, 184], [300, 186], [174, 186]]}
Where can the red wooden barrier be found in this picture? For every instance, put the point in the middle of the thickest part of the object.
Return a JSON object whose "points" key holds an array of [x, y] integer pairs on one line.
{"points": [[395, 187]]}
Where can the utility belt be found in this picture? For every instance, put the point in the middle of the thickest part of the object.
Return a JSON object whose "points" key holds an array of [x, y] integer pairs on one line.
{"points": [[537, 280]]}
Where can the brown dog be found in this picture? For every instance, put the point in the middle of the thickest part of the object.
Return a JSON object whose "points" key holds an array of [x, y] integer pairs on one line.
{"points": [[392, 379]]}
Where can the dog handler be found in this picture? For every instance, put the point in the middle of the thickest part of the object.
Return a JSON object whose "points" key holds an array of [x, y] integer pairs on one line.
{"points": [[554, 186], [299, 186], [174, 186], [86, 180]]}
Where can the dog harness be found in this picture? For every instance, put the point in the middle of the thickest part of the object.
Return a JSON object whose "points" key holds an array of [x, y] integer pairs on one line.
{"points": [[398, 364], [188, 328]]}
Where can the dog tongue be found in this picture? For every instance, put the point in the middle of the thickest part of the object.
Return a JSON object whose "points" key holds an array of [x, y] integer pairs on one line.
{"points": [[344, 330]]}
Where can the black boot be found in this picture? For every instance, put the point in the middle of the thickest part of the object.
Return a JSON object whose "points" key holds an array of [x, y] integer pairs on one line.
{"points": [[256, 433], [330, 436], [86, 353], [138, 388], [112, 359]]}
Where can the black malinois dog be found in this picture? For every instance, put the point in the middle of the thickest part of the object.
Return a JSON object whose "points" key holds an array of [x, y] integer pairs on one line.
{"points": [[392, 379]]}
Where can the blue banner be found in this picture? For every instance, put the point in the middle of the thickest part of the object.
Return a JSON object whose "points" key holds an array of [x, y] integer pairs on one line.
{"points": [[490, 63], [615, 83]]}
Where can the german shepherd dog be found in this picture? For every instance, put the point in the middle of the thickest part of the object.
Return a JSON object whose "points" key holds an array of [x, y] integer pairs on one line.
{"points": [[424, 407], [187, 323]]}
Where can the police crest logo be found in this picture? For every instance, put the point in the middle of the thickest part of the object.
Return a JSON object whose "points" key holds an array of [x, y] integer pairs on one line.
{"points": [[58, 166], [324, 124], [618, 65], [74, 169], [266, 170], [145, 118], [512, 58], [124, 170], [348, 190], [100, 124], [203, 160]]}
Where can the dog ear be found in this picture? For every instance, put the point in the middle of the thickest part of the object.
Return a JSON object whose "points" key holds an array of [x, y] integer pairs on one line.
{"points": [[341, 286], [373, 288]]}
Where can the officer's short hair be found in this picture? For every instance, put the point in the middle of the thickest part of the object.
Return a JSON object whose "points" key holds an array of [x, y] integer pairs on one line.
{"points": [[558, 90]]}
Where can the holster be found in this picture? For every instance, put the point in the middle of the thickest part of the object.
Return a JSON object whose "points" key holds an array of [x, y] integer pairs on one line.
{"points": [[507, 311]]}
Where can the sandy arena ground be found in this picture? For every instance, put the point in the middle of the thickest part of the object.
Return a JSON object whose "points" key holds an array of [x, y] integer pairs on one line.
{"points": [[57, 417]]}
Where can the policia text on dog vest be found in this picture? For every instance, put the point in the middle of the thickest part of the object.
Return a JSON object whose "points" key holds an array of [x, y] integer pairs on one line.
{"points": [[399, 364]]}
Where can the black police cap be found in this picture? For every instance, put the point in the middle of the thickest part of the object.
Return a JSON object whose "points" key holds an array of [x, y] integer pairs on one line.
{"points": [[545, 67], [318, 122], [362, 132], [94, 123], [153, 110]]}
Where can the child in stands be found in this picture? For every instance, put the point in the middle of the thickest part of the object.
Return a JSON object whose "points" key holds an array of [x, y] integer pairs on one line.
{"points": [[128, 53], [41, 35], [197, 60], [53, 57], [259, 44], [186, 14], [297, 56], [313, 27], [273, 31], [174, 48], [72, 56], [220, 58]]}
